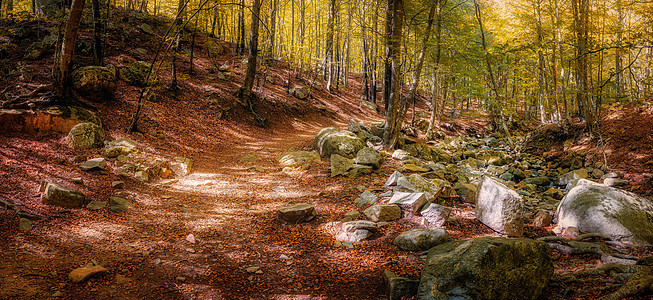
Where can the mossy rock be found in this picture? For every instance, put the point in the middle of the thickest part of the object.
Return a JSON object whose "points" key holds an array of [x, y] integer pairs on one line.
{"points": [[85, 135], [95, 82], [136, 73]]}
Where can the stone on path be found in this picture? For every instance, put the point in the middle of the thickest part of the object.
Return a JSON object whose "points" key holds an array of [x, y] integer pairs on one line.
{"points": [[334, 141], [355, 231], [383, 213], [85, 135], [466, 191], [25, 224], [94, 164], [486, 268], [421, 239], [82, 274], [340, 165], [54, 194], [499, 207], [542, 219], [366, 198], [434, 215], [96, 205], [411, 202], [298, 158], [370, 157], [296, 213], [613, 212], [117, 204]]}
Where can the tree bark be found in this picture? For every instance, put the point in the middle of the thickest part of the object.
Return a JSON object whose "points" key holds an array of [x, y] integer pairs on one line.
{"points": [[68, 46], [97, 33], [245, 91], [392, 115], [329, 46]]}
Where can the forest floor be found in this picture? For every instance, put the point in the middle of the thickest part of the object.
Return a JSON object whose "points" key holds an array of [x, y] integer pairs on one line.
{"points": [[228, 202]]}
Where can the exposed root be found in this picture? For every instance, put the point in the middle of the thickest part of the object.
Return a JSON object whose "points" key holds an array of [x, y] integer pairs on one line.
{"points": [[640, 284]]}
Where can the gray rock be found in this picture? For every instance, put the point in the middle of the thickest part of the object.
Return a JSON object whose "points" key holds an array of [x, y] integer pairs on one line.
{"points": [[85, 135], [499, 207], [393, 179], [401, 155], [298, 158], [421, 239], [619, 214], [366, 198], [434, 215], [182, 166], [411, 202], [486, 268], [146, 28], [96, 205], [615, 182], [340, 165], [370, 157], [354, 126], [573, 175], [94, 164], [398, 288], [54, 194], [118, 184], [356, 231], [142, 176], [541, 181], [296, 213], [117, 204], [383, 213]]}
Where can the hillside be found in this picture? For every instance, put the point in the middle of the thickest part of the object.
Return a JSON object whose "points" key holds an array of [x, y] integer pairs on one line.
{"points": [[202, 182]]}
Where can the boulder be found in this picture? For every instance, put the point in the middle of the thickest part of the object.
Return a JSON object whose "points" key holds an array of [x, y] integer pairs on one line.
{"points": [[94, 164], [54, 194], [542, 219], [351, 216], [570, 176], [300, 93], [421, 239], [356, 231], [95, 82], [393, 179], [117, 204], [182, 166], [427, 153], [85, 135], [541, 181], [486, 268], [613, 212], [370, 157], [298, 158], [334, 141], [296, 213], [434, 215], [411, 202], [96, 205], [499, 207], [383, 213], [615, 182], [136, 74], [398, 288], [340, 165], [357, 169]]}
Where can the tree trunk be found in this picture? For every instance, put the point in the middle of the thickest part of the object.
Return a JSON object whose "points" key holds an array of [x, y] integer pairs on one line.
{"points": [[245, 91], [619, 90], [412, 91], [97, 33], [273, 18], [240, 47], [329, 46], [438, 52], [540, 61], [68, 46], [392, 115]]}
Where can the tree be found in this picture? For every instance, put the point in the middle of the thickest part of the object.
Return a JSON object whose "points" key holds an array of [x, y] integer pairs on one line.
{"points": [[394, 27], [68, 47], [245, 91], [329, 45]]}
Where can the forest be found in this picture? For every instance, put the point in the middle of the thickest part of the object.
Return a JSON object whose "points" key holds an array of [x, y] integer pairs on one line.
{"points": [[336, 149]]}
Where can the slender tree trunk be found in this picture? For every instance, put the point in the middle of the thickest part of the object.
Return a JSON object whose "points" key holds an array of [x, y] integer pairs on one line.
{"points": [[438, 53], [329, 46], [97, 34], [273, 22], [240, 48], [412, 91], [392, 115], [619, 90], [68, 46], [245, 91], [540, 60]]}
